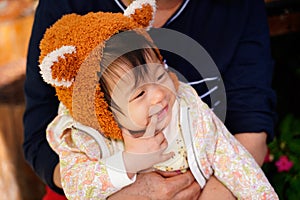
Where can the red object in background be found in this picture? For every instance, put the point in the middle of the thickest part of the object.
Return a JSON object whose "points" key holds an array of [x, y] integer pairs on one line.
{"points": [[284, 164], [51, 195]]}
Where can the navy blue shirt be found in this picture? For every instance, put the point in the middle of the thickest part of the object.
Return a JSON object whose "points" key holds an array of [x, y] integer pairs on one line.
{"points": [[234, 33]]}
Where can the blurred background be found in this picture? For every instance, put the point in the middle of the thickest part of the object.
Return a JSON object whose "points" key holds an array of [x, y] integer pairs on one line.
{"points": [[282, 165], [17, 181]]}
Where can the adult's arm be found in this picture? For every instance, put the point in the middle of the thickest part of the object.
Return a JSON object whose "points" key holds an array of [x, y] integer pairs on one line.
{"points": [[255, 143], [248, 78], [41, 102]]}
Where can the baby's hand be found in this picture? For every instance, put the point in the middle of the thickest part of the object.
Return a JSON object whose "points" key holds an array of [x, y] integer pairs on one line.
{"points": [[143, 152], [149, 142]]}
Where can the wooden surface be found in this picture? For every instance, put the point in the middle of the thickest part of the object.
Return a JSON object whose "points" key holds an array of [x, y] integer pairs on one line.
{"points": [[283, 16], [13, 9], [14, 39], [284, 24], [18, 179], [8, 184]]}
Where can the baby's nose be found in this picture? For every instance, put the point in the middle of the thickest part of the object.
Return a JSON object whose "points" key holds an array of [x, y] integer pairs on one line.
{"points": [[157, 94]]}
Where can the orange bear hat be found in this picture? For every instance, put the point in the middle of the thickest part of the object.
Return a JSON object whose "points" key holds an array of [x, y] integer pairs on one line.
{"points": [[71, 51]]}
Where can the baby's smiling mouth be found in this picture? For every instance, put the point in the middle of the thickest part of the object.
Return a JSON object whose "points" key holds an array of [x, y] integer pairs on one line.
{"points": [[158, 110], [161, 114]]}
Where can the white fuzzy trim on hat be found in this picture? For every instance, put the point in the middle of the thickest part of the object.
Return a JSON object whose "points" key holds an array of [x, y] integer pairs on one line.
{"points": [[138, 4], [49, 60]]}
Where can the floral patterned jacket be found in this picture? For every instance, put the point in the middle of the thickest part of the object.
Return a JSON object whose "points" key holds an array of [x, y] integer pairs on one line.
{"points": [[92, 166]]}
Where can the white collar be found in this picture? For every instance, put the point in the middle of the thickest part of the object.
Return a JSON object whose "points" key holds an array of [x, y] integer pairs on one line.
{"points": [[176, 14]]}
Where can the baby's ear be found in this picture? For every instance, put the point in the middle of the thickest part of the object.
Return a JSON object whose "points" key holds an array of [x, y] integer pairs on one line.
{"points": [[55, 69], [142, 12]]}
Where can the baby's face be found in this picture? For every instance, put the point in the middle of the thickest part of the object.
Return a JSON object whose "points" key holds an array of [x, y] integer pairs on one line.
{"points": [[138, 100]]}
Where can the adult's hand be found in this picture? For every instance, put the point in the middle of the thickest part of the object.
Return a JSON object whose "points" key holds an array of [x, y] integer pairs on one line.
{"points": [[154, 186]]}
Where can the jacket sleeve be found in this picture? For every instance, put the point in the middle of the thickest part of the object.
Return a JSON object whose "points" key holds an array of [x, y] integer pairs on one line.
{"points": [[41, 102], [85, 172], [230, 162], [250, 98]]}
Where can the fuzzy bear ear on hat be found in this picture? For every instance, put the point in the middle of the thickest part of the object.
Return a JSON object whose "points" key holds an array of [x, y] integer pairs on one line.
{"points": [[140, 11], [71, 51]]}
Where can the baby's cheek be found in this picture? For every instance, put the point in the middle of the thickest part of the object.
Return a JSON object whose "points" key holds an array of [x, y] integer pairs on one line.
{"points": [[138, 117]]}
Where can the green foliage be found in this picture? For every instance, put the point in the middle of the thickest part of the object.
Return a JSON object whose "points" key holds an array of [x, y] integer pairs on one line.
{"points": [[286, 144]]}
